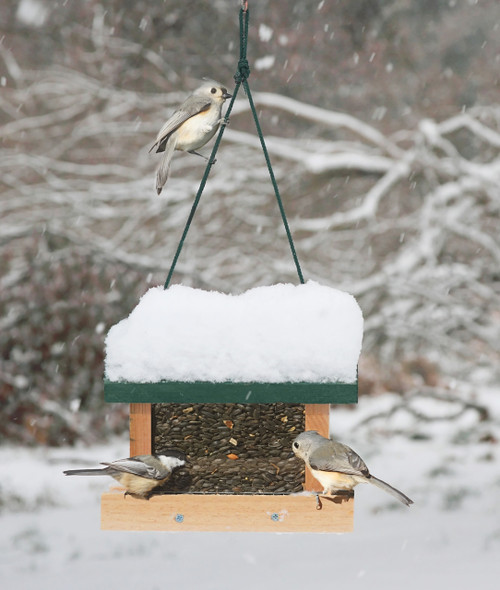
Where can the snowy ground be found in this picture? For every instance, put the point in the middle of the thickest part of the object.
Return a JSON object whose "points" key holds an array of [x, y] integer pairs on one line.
{"points": [[50, 536]]}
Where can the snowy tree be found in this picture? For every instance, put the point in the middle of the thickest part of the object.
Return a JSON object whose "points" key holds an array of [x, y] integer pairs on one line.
{"points": [[405, 219]]}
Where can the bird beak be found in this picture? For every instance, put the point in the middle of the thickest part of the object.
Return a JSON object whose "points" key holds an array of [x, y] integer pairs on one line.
{"points": [[226, 95]]}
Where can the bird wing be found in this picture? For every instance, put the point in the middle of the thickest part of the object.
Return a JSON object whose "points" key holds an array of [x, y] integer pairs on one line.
{"points": [[135, 466], [338, 457], [196, 105]]}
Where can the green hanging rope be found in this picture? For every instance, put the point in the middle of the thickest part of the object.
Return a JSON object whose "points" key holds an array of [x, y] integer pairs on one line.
{"points": [[240, 78]]}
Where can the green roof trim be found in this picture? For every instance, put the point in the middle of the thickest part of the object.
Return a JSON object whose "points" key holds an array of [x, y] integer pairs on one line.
{"points": [[230, 392]]}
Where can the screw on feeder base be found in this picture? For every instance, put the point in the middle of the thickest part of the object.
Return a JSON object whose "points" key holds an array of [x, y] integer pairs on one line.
{"points": [[179, 518], [275, 516]]}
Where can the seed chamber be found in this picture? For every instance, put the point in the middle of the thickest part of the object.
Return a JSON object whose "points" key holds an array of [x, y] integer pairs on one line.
{"points": [[232, 448]]}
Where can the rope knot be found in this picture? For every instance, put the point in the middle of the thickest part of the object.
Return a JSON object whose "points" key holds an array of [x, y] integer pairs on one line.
{"points": [[243, 71]]}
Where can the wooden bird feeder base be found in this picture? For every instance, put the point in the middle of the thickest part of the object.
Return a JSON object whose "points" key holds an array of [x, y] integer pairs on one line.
{"points": [[277, 513], [227, 513]]}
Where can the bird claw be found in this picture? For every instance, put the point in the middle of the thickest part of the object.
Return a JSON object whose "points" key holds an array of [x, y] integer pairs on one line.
{"points": [[198, 154]]}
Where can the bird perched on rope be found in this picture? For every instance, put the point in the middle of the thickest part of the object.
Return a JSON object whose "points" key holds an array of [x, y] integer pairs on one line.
{"points": [[141, 474], [336, 466], [192, 125]]}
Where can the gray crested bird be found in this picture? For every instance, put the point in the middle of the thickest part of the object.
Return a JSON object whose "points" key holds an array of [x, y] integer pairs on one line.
{"points": [[191, 126], [336, 466], [141, 474]]}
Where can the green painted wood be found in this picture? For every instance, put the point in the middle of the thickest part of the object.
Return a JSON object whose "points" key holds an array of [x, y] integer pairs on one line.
{"points": [[229, 392]]}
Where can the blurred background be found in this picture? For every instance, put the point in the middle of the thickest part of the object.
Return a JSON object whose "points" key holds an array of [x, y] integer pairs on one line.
{"points": [[382, 121]]}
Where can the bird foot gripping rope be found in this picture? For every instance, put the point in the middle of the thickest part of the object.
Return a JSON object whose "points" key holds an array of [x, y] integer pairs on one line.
{"points": [[241, 79]]}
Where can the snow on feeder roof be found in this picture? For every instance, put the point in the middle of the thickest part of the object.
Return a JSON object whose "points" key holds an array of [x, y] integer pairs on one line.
{"points": [[283, 334]]}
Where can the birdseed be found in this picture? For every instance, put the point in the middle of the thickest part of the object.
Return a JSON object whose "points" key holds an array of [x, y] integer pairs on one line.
{"points": [[232, 448]]}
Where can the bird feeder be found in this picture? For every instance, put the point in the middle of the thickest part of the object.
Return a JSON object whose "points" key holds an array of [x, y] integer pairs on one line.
{"points": [[231, 380]]}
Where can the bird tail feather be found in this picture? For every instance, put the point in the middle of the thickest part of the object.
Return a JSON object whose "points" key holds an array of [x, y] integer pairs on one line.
{"points": [[388, 488], [104, 471], [164, 167]]}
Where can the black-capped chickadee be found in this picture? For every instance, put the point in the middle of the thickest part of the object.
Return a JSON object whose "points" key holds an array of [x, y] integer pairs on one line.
{"points": [[190, 127], [336, 466], [141, 474]]}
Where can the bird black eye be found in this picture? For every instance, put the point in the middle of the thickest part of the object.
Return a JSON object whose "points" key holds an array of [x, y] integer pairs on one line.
{"points": [[295, 445], [213, 91]]}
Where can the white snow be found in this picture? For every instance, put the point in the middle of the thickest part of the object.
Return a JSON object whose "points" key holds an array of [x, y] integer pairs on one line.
{"points": [[265, 33], [265, 63], [282, 333], [32, 13], [450, 538]]}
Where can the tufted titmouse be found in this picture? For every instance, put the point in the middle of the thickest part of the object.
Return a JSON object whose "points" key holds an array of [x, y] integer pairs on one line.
{"points": [[336, 466], [190, 127], [139, 475]]}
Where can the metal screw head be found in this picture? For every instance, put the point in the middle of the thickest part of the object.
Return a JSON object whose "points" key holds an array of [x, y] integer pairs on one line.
{"points": [[179, 517], [275, 516]]}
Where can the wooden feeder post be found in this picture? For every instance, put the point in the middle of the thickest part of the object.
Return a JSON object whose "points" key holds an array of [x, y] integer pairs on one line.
{"points": [[317, 418], [141, 432]]}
